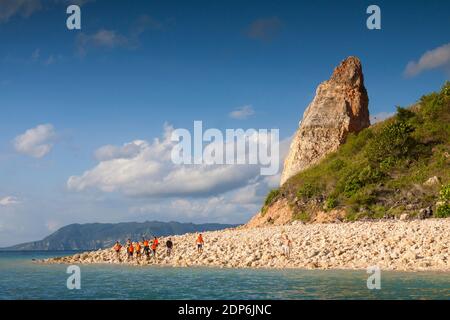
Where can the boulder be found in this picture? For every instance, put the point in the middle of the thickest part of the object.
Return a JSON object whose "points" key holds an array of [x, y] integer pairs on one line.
{"points": [[425, 213], [432, 181]]}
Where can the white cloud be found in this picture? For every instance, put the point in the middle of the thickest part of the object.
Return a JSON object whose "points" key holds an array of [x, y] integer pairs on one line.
{"points": [[381, 116], [8, 201], [23, 8], [110, 39], [214, 208], [36, 142], [103, 38], [432, 59], [140, 168], [127, 151], [153, 186], [242, 113]]}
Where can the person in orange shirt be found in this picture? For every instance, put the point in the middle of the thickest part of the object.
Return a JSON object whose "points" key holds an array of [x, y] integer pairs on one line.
{"points": [[117, 248], [146, 247], [154, 246], [130, 251], [138, 250], [200, 243]]}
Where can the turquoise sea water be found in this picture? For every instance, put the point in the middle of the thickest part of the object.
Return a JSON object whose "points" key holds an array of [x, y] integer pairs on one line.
{"points": [[20, 278]]}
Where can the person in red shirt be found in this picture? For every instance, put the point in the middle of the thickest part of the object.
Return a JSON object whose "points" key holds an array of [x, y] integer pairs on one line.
{"points": [[138, 250], [130, 251], [200, 243], [155, 244], [117, 248], [146, 247]]}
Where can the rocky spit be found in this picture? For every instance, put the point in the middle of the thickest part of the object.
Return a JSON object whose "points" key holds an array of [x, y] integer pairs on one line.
{"points": [[415, 245]]}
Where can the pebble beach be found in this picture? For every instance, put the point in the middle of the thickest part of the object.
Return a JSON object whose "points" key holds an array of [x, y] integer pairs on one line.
{"points": [[416, 245]]}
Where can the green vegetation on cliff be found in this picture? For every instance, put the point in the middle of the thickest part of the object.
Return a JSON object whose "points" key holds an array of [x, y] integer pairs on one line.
{"points": [[384, 170]]}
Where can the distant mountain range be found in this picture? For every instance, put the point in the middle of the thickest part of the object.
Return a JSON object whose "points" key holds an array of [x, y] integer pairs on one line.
{"points": [[92, 236]]}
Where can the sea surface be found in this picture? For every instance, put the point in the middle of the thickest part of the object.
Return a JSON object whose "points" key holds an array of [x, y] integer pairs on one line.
{"points": [[20, 278]]}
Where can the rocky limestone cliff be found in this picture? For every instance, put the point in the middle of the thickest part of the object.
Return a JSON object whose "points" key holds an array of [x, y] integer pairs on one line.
{"points": [[339, 107]]}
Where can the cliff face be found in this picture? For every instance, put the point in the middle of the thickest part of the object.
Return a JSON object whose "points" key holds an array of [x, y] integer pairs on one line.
{"points": [[339, 107], [374, 175]]}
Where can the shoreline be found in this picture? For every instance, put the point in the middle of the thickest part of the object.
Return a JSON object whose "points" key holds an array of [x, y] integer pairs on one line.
{"points": [[392, 245]]}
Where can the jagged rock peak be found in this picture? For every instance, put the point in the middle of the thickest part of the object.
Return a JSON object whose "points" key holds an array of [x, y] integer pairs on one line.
{"points": [[349, 72], [339, 107]]}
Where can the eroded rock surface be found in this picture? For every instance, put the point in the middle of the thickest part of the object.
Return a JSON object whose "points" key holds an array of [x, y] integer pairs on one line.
{"points": [[339, 107]]}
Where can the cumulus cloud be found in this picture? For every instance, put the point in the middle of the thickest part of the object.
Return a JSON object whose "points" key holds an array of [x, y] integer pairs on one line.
{"points": [[127, 151], [432, 59], [220, 208], [8, 201], [36, 142], [242, 113], [264, 29], [381, 116], [140, 168]]}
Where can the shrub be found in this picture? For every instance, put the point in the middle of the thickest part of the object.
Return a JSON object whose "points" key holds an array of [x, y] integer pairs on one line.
{"points": [[370, 174], [436, 104], [308, 190], [393, 141], [352, 185], [336, 165], [357, 180], [355, 142], [446, 89], [403, 114], [387, 164], [352, 214], [331, 203], [443, 211], [444, 194], [273, 194], [302, 216], [362, 198], [270, 198], [377, 211]]}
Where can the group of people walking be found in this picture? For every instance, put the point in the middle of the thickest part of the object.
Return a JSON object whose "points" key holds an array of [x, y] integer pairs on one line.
{"points": [[149, 247]]}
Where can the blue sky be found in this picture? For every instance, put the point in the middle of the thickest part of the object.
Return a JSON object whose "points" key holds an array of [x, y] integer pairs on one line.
{"points": [[138, 67]]}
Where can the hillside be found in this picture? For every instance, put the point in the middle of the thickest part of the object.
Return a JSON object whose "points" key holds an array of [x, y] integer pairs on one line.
{"points": [[396, 168], [102, 235]]}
